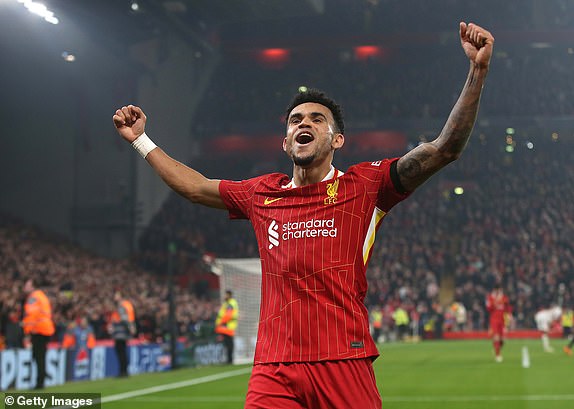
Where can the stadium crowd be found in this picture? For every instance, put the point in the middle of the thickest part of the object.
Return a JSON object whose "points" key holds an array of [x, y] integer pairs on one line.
{"points": [[81, 285]]}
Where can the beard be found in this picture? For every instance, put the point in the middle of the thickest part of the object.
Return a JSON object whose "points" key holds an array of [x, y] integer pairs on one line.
{"points": [[303, 160]]}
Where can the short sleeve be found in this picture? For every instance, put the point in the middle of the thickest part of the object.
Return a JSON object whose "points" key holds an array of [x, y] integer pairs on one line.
{"points": [[238, 196], [389, 194], [380, 186]]}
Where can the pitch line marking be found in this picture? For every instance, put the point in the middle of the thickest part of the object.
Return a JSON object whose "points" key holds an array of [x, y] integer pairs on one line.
{"points": [[559, 398], [478, 398], [175, 385]]}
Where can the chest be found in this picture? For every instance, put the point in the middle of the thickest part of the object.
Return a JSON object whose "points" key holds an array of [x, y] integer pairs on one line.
{"points": [[319, 221], [317, 204]]}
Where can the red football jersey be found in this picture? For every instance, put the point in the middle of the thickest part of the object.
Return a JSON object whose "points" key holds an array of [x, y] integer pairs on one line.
{"points": [[314, 242], [497, 305]]}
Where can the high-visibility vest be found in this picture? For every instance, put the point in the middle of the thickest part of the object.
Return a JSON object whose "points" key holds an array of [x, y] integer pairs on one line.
{"points": [[568, 319], [123, 320], [377, 318], [125, 312], [38, 315], [226, 321], [401, 317]]}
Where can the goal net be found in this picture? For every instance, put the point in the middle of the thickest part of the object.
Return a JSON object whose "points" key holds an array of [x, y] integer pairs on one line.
{"points": [[243, 277]]}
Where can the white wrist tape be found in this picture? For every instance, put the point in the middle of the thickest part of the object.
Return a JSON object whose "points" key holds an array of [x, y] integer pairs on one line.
{"points": [[143, 144]]}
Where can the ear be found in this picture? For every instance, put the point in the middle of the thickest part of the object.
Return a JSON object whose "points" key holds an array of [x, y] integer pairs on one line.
{"points": [[338, 141], [285, 144]]}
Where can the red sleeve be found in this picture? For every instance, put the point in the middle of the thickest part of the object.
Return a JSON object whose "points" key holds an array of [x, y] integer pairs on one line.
{"points": [[381, 186], [389, 196], [238, 196], [488, 303]]}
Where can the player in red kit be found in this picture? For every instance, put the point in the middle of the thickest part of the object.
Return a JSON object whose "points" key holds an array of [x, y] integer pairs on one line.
{"points": [[498, 307], [315, 231]]}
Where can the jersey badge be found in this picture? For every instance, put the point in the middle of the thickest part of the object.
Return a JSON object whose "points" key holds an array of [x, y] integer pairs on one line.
{"points": [[331, 193]]}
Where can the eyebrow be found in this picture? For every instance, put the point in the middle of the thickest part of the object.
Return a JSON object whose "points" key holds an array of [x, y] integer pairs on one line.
{"points": [[312, 115]]}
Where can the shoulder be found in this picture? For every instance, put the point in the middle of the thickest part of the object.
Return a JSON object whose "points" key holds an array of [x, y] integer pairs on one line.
{"points": [[371, 168], [275, 180], [36, 296], [270, 180], [383, 173]]}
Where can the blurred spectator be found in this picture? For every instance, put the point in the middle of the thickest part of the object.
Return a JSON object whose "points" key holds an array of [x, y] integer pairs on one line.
{"points": [[402, 321], [226, 323], [123, 328], [376, 321], [79, 335]]}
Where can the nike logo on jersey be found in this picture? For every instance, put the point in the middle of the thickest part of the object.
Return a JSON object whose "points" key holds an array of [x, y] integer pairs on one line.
{"points": [[268, 201]]}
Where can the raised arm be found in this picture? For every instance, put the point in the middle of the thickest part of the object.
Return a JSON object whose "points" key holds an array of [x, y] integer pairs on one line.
{"points": [[415, 167], [130, 123]]}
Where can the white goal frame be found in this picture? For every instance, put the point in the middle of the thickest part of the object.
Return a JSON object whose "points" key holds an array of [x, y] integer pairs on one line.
{"points": [[243, 277]]}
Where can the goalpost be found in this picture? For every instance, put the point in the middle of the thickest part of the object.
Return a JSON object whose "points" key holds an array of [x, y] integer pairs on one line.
{"points": [[243, 277]]}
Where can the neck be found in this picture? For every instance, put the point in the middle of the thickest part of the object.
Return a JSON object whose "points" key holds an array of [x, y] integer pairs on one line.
{"points": [[310, 175]]}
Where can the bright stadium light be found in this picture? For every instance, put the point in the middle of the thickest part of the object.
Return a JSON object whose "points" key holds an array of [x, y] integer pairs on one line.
{"points": [[40, 9], [459, 190], [135, 6], [68, 57]]}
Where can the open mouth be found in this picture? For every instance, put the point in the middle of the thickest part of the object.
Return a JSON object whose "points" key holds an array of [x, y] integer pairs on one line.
{"points": [[304, 138]]}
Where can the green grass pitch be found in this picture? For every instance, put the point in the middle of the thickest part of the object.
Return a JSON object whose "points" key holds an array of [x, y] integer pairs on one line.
{"points": [[426, 375]]}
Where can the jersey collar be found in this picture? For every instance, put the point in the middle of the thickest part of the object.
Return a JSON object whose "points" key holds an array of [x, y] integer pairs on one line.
{"points": [[333, 174]]}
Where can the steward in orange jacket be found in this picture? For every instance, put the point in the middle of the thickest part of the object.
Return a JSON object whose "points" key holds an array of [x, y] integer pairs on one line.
{"points": [[37, 323], [123, 322], [38, 315]]}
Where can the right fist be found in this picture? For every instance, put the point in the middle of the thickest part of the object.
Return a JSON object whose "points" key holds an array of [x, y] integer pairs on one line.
{"points": [[130, 122]]}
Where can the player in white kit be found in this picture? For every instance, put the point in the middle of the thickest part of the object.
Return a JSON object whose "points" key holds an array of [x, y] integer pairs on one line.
{"points": [[544, 319]]}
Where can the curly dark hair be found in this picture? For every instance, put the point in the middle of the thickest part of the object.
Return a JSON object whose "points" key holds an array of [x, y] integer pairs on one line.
{"points": [[319, 97]]}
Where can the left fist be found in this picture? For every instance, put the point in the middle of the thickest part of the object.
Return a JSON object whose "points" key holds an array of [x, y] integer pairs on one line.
{"points": [[477, 44]]}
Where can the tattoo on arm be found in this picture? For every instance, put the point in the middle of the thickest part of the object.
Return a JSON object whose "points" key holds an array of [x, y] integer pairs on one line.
{"points": [[419, 164], [458, 127], [410, 168], [413, 164]]}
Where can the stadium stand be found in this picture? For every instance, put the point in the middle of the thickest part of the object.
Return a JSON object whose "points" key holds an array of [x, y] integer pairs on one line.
{"points": [[81, 284]]}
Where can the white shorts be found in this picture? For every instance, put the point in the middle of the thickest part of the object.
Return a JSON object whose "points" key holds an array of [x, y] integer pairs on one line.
{"points": [[542, 323]]}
